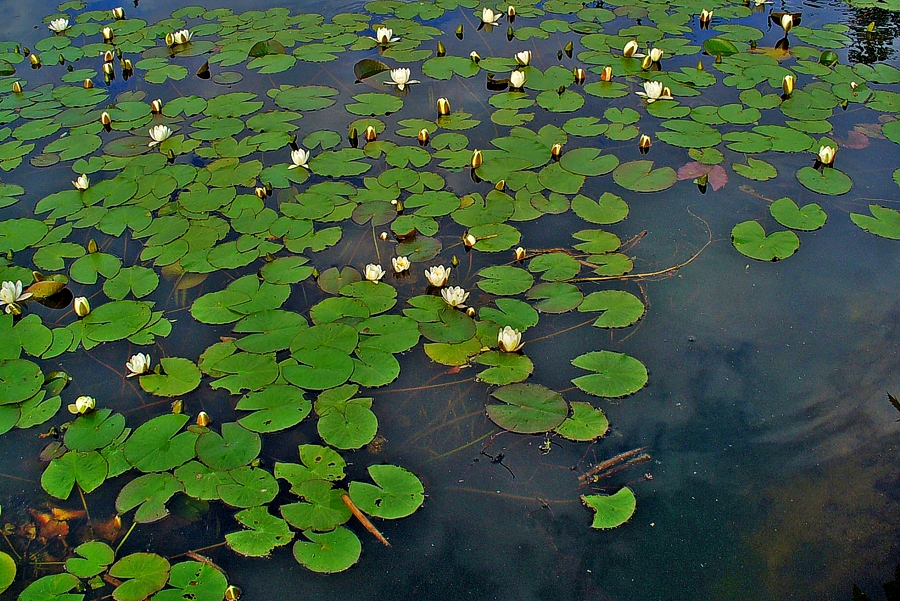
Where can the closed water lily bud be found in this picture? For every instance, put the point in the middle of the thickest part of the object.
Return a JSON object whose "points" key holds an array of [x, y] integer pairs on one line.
{"points": [[500, 186], [107, 33], [477, 159], [459, 32], [170, 39], [82, 405], [570, 48], [126, 65], [476, 58], [17, 87], [441, 51], [353, 137], [383, 236], [556, 150], [644, 143], [826, 155], [178, 407], [443, 107], [105, 119], [35, 60], [371, 134], [699, 65], [108, 69], [606, 74], [520, 253], [646, 63], [203, 419], [511, 12], [470, 311], [787, 22], [156, 106], [261, 193], [853, 86], [108, 56], [82, 306], [423, 136], [579, 74], [787, 84], [705, 18], [232, 593], [469, 240], [118, 13]]}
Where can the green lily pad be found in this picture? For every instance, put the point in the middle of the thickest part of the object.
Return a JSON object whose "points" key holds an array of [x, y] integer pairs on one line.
{"points": [[149, 493], [504, 368], [750, 239], [179, 376], [620, 309], [505, 280], [55, 587], [329, 552], [320, 509], [147, 573], [787, 213], [640, 176], [235, 447], [755, 169], [613, 510], [828, 181], [396, 493], [194, 580], [616, 374], [88, 470], [884, 222], [94, 430], [585, 423], [263, 532], [157, 445], [276, 407], [19, 380], [94, 558], [555, 297], [527, 408]]}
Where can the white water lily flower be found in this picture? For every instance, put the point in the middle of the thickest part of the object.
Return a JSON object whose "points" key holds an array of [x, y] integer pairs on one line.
{"points": [[400, 78], [437, 276], [159, 133], [653, 91], [385, 35], [400, 264], [455, 296], [631, 49], [374, 272], [58, 25], [82, 182], [489, 17], [82, 405], [138, 364], [826, 157], [523, 58], [787, 22], [656, 54], [510, 340], [182, 36], [11, 293], [299, 158], [517, 79]]}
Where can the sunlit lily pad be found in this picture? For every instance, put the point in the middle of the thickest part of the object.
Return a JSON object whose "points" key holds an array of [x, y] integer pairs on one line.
{"points": [[828, 181], [808, 218], [144, 574], [328, 552], [613, 510], [263, 532], [751, 240], [396, 493]]}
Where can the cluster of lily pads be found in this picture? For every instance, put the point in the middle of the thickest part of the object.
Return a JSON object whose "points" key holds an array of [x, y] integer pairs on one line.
{"points": [[227, 181]]}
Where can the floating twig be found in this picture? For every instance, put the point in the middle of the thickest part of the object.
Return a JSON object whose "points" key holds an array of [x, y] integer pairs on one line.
{"points": [[359, 515]]}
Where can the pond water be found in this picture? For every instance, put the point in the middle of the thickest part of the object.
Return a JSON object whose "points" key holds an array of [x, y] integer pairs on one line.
{"points": [[760, 447]]}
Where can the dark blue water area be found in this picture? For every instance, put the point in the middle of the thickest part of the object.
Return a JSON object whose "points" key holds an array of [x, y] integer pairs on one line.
{"points": [[774, 448]]}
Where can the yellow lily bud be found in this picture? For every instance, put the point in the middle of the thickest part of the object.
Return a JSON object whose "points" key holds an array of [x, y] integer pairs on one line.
{"points": [[118, 13], [353, 136], [82, 306], [644, 143], [423, 136], [88, 84], [203, 419], [469, 240], [520, 253], [35, 60], [579, 74], [108, 69], [646, 63], [107, 33], [261, 193], [787, 22], [556, 150], [108, 56], [17, 87], [606, 74], [105, 119], [156, 106], [477, 159], [630, 48], [371, 134], [787, 84], [443, 107]]}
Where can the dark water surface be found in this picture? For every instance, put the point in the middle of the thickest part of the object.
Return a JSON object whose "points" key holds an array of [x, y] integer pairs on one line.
{"points": [[774, 470]]}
